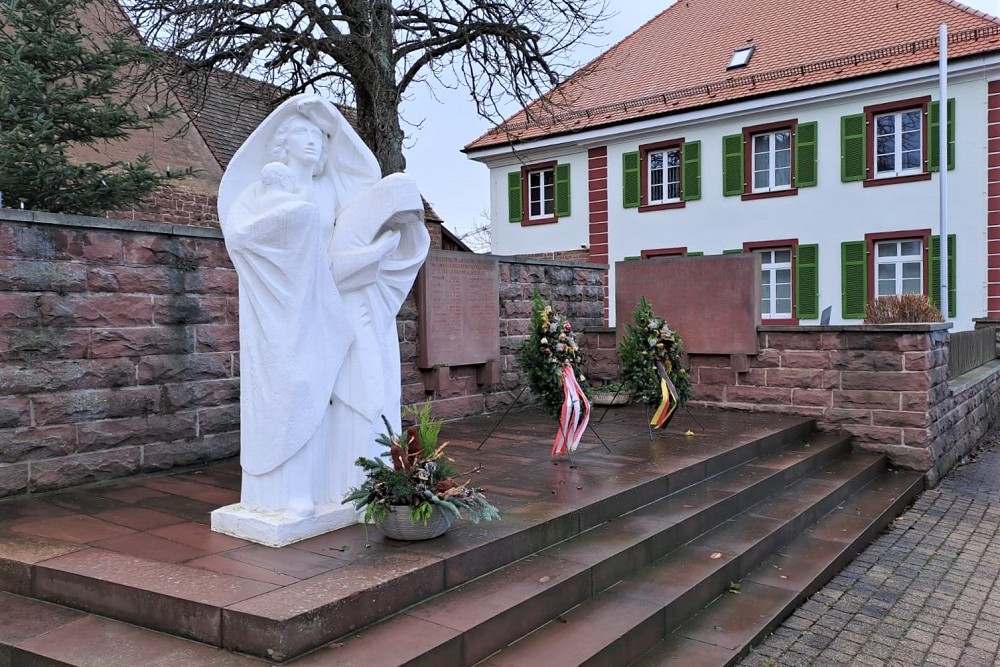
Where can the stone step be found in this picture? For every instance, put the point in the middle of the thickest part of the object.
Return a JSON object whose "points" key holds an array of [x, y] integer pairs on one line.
{"points": [[721, 633], [41, 634], [618, 625], [476, 619], [279, 621]]}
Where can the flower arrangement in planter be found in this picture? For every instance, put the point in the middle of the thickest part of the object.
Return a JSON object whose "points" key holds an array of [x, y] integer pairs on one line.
{"points": [[551, 360], [416, 497], [611, 393], [651, 356]]}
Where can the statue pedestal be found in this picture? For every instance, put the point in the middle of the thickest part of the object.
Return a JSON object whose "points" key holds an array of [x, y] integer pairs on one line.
{"points": [[278, 529]]}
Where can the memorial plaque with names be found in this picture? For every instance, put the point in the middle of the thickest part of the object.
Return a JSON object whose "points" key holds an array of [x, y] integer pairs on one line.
{"points": [[458, 301]]}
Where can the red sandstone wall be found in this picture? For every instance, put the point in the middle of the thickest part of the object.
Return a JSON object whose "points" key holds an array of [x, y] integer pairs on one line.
{"points": [[886, 385], [119, 346], [118, 352]]}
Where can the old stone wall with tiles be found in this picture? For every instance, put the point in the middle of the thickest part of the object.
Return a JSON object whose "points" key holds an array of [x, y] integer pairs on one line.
{"points": [[119, 346]]}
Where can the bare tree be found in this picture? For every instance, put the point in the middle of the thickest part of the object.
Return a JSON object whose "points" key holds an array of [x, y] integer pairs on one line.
{"points": [[370, 53], [480, 237]]}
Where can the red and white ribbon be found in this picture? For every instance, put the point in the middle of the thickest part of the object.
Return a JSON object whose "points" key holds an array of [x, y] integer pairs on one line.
{"points": [[573, 417]]}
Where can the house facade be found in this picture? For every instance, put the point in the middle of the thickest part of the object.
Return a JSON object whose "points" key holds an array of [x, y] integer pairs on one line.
{"points": [[816, 148]]}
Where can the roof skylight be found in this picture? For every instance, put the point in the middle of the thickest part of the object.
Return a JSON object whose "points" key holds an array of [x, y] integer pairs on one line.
{"points": [[741, 57]]}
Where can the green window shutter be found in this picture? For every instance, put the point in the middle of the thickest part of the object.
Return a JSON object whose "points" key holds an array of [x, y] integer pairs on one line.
{"points": [[697, 253], [852, 148], [933, 139], [806, 155], [733, 251], [952, 275], [515, 202], [934, 288], [951, 137], [933, 134], [732, 165], [630, 179], [562, 191], [807, 281], [854, 279], [691, 155]]}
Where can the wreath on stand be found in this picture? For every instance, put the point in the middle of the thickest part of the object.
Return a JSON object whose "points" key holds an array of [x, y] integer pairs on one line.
{"points": [[551, 358], [651, 356]]}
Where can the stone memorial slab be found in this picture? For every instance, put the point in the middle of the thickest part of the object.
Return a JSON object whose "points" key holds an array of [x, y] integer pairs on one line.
{"points": [[713, 302], [458, 298]]}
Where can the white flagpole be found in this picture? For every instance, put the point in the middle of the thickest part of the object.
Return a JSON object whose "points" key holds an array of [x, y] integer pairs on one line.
{"points": [[943, 162]]}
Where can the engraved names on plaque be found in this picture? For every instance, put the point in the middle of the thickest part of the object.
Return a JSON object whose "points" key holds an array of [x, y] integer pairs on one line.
{"points": [[458, 298]]}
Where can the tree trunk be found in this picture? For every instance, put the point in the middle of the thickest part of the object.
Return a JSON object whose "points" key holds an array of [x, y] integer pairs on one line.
{"points": [[376, 94], [378, 123]]}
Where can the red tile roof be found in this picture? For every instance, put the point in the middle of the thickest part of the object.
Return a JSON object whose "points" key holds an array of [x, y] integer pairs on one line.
{"points": [[677, 60]]}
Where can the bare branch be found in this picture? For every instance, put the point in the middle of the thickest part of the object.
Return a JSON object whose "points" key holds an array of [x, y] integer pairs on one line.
{"points": [[370, 52]]}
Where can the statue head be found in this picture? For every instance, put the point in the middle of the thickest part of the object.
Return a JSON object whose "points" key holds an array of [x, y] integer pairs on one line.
{"points": [[343, 168], [298, 138]]}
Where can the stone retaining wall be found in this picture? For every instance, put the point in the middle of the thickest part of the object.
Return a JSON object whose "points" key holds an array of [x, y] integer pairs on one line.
{"points": [[119, 346], [118, 349], [887, 385]]}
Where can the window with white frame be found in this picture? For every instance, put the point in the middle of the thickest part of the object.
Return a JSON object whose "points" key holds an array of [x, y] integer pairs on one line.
{"points": [[772, 161], [541, 193], [899, 267], [775, 283], [898, 143], [664, 175]]}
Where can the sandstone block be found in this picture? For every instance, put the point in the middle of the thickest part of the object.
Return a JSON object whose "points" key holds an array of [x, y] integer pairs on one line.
{"points": [[23, 444], [210, 281], [866, 400], [42, 276], [802, 379], [13, 479], [136, 280], [189, 309], [142, 341], [58, 376], [184, 368], [870, 360], [805, 359], [222, 419], [83, 468], [95, 404], [812, 397], [903, 381], [111, 433], [19, 310], [759, 395], [95, 310], [899, 418], [14, 410], [41, 343]]}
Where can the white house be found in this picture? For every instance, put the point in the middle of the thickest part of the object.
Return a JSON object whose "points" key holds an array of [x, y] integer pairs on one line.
{"points": [[803, 131]]}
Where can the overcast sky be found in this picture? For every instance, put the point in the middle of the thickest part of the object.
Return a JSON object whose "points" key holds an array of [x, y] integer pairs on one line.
{"points": [[457, 187]]}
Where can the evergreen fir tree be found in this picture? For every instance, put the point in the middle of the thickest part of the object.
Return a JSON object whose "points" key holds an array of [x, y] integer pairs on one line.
{"points": [[62, 87]]}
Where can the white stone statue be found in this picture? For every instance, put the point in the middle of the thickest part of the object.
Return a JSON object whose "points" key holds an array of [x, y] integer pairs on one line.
{"points": [[325, 252]]}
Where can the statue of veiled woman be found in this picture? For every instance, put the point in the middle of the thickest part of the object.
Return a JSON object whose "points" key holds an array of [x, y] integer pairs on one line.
{"points": [[325, 251]]}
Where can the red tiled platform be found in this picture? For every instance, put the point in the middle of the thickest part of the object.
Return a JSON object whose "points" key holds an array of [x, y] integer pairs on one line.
{"points": [[141, 550]]}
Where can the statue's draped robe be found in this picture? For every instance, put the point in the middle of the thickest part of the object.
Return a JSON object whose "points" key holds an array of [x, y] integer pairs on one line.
{"points": [[319, 354]]}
